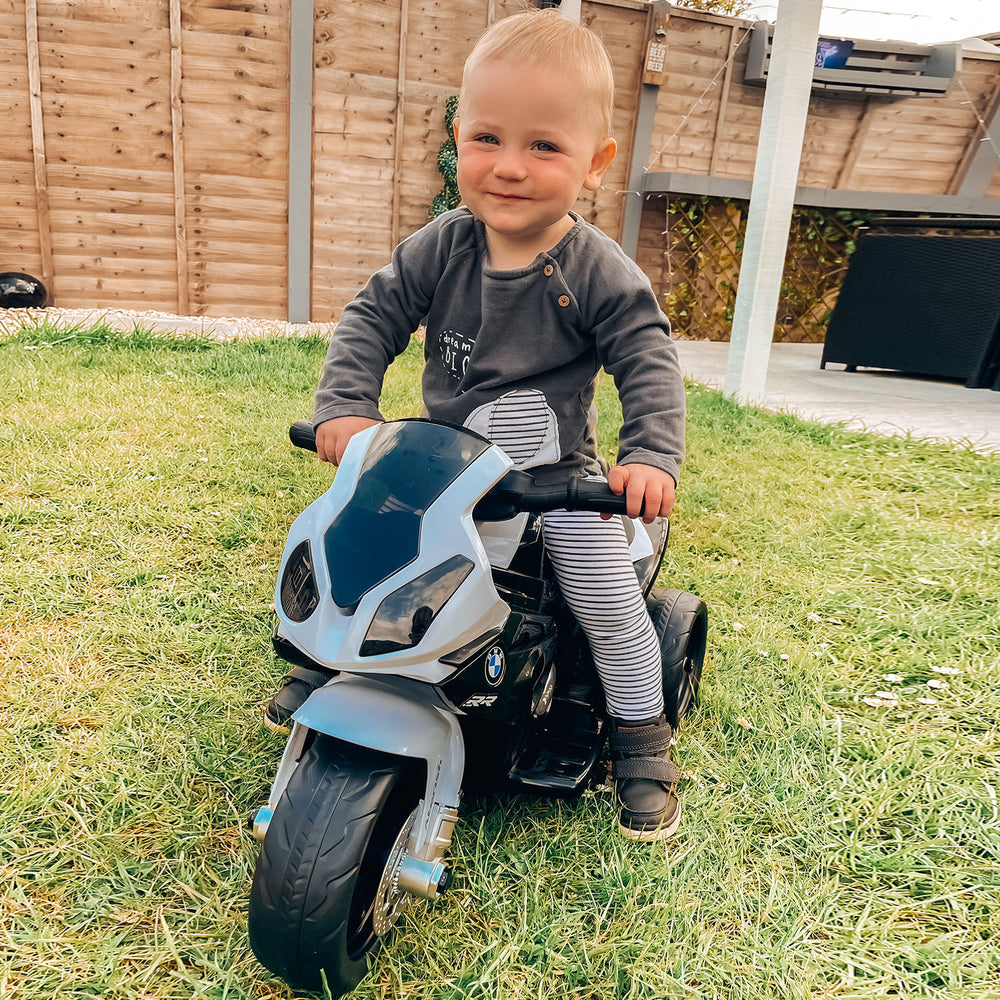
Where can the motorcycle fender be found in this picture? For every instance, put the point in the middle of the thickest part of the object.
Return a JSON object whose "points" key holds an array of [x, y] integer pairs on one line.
{"points": [[405, 718]]}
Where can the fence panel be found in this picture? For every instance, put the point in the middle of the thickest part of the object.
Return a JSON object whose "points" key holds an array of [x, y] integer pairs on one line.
{"points": [[144, 156]]}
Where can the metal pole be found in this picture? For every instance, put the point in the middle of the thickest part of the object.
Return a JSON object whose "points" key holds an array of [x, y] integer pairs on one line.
{"points": [[772, 195], [634, 196]]}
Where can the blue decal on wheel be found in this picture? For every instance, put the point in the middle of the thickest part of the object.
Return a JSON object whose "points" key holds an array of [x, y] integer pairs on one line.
{"points": [[494, 666]]}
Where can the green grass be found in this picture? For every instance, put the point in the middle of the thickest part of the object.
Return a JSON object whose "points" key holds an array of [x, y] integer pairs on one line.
{"points": [[829, 848]]}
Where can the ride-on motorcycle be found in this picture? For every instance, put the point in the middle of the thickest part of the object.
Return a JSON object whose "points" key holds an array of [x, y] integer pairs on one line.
{"points": [[419, 584]]}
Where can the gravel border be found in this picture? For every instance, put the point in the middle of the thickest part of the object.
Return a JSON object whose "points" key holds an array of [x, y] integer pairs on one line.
{"points": [[126, 320]]}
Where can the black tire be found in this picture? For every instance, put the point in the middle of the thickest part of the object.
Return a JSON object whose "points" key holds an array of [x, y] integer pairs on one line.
{"points": [[681, 622], [313, 900]]}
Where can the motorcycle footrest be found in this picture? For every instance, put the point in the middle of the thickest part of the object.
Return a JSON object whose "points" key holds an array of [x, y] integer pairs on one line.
{"points": [[559, 756]]}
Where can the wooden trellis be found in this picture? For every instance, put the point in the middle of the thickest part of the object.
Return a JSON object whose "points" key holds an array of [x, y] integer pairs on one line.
{"points": [[702, 246]]}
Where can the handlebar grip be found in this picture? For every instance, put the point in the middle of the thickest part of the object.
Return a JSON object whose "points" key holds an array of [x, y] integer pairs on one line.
{"points": [[519, 492], [302, 435], [585, 494]]}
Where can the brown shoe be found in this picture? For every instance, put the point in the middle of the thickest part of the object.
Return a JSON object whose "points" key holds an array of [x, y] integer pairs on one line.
{"points": [[645, 778]]}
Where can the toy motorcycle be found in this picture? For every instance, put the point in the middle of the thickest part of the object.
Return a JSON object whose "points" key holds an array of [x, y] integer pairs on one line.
{"points": [[419, 585]]}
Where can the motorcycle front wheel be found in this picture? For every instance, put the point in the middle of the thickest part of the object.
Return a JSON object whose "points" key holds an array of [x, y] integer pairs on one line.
{"points": [[324, 891]]}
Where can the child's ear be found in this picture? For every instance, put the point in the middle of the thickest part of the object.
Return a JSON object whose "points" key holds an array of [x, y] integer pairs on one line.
{"points": [[454, 129], [599, 164]]}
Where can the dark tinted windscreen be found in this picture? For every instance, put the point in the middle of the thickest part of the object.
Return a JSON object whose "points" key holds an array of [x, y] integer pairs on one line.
{"points": [[408, 465]]}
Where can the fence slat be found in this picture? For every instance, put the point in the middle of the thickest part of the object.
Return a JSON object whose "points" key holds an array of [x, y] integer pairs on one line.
{"points": [[727, 76], [973, 173], [38, 146]]}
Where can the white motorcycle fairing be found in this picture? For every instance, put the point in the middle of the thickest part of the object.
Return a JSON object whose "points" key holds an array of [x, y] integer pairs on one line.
{"points": [[385, 698], [335, 635], [385, 578]]}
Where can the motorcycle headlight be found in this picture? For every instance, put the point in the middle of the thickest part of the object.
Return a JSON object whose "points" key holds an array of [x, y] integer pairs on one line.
{"points": [[404, 617], [299, 594]]}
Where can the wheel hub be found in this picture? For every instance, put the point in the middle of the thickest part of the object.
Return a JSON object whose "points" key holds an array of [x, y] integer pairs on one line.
{"points": [[388, 896]]}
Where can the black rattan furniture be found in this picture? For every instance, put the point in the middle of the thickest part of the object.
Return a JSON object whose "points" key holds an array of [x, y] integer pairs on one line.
{"points": [[921, 304]]}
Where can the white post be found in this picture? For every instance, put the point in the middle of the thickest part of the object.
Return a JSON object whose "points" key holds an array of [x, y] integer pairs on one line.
{"points": [[772, 195], [571, 9]]}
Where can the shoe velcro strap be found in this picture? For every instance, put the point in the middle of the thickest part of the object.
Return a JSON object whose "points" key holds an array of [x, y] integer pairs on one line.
{"points": [[651, 768], [651, 740], [314, 678]]}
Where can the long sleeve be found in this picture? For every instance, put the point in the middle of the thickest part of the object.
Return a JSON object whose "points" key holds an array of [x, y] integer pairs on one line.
{"points": [[376, 326], [634, 345]]}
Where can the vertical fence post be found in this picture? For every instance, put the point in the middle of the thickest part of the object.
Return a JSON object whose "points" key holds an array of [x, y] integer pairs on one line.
{"points": [[300, 156], [979, 168], [177, 150], [397, 153], [727, 79], [653, 75], [772, 195], [38, 146]]}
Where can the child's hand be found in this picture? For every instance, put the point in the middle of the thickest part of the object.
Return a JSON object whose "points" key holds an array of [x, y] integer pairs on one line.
{"points": [[332, 436], [648, 491]]}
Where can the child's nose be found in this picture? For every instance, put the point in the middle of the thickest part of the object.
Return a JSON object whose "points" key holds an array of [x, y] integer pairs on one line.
{"points": [[509, 165]]}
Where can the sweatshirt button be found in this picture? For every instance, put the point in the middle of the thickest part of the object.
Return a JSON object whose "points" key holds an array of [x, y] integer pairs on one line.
{"points": [[564, 300], [548, 270]]}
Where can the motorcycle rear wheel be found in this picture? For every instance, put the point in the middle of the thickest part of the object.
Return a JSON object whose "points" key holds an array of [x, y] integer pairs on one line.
{"points": [[323, 894], [681, 623]]}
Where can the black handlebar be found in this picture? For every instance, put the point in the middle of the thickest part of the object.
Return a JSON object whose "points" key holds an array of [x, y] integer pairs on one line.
{"points": [[517, 491], [302, 435]]}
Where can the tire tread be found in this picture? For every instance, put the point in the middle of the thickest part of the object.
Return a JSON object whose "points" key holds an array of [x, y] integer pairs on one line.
{"points": [[304, 883]]}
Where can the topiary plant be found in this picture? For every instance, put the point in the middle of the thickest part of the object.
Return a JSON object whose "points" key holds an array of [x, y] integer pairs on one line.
{"points": [[447, 161]]}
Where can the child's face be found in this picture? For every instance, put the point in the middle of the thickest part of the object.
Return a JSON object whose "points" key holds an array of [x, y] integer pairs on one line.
{"points": [[528, 143]]}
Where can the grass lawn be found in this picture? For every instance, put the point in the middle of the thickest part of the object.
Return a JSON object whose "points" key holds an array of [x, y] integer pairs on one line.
{"points": [[841, 833]]}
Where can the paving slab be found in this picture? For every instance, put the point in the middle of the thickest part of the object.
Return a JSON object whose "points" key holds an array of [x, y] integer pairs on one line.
{"points": [[881, 402]]}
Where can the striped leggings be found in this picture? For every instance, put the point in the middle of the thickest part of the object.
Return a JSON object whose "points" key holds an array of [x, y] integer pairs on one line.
{"points": [[591, 561], [592, 564]]}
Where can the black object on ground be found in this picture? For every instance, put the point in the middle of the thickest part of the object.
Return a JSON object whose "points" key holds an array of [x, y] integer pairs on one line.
{"points": [[21, 291]]}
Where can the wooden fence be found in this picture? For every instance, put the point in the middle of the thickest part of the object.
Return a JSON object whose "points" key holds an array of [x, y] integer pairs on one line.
{"points": [[145, 155], [143, 152]]}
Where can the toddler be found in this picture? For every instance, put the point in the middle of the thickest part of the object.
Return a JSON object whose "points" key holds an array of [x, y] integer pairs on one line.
{"points": [[523, 303]]}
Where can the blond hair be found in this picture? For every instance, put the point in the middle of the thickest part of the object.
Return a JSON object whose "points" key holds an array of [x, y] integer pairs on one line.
{"points": [[547, 39]]}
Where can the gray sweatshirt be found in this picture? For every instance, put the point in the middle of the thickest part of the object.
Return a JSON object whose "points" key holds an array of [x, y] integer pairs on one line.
{"points": [[515, 355]]}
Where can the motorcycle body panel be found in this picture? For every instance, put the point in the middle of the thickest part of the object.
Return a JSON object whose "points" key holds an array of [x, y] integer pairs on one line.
{"points": [[469, 614], [335, 636], [405, 719]]}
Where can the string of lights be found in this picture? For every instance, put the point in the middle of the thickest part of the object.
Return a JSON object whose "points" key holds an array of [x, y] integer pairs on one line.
{"points": [[652, 161], [694, 107], [734, 49], [712, 83], [863, 10], [983, 125]]}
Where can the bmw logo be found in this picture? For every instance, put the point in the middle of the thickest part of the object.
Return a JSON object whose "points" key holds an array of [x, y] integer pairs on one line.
{"points": [[494, 666]]}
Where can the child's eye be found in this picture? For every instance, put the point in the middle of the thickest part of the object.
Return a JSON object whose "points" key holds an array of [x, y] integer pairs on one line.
{"points": [[545, 147], [491, 140]]}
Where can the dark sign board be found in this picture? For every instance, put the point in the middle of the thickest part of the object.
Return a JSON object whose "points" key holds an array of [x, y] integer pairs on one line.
{"points": [[833, 53]]}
